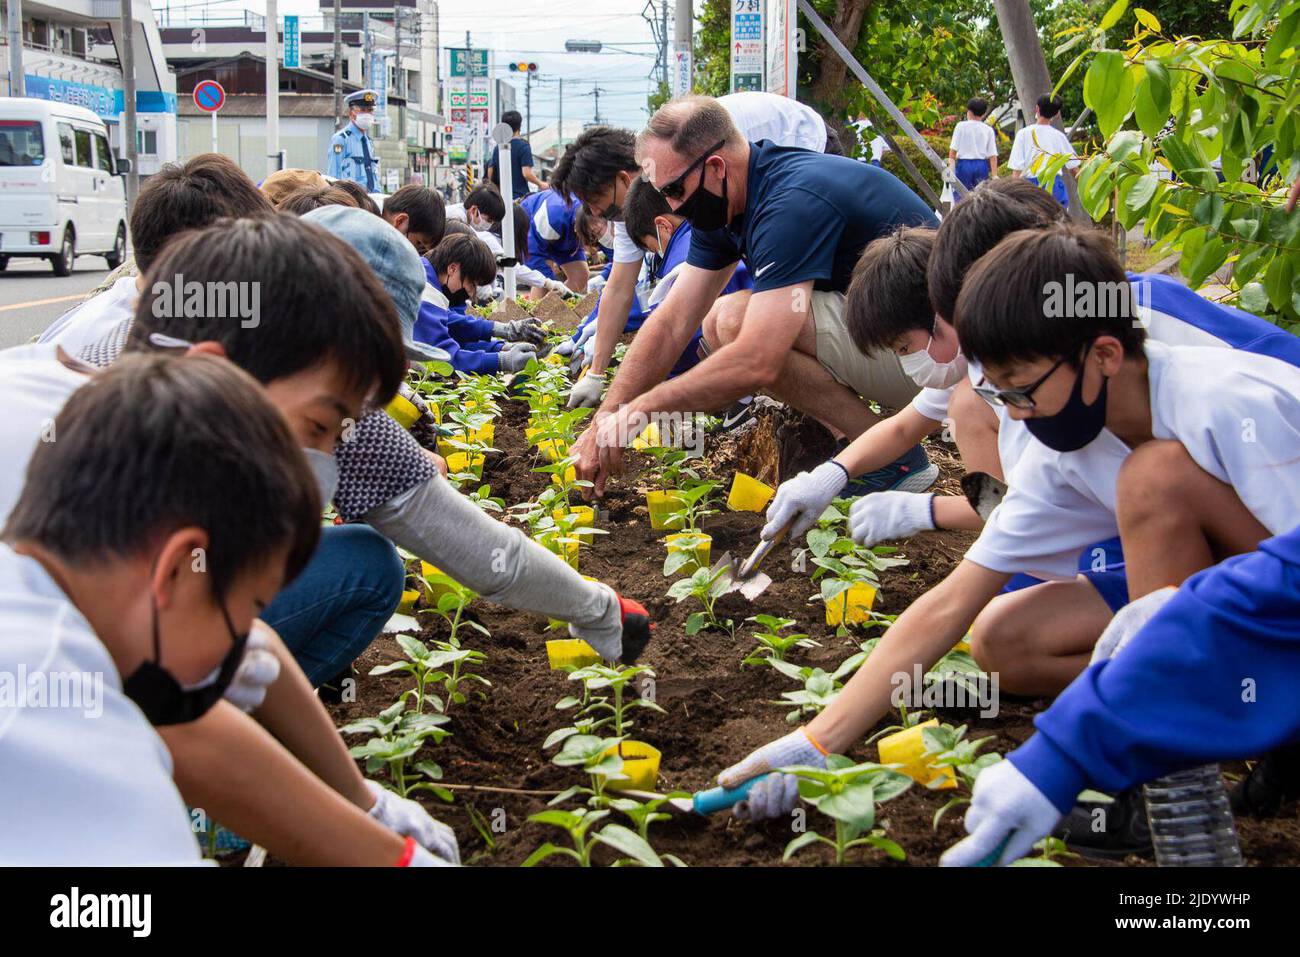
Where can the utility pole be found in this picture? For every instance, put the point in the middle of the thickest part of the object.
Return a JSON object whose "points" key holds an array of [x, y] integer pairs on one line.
{"points": [[338, 65], [528, 106], [595, 92], [471, 139], [127, 57], [272, 87], [1032, 79], [397, 48], [663, 41], [560, 148], [16, 48], [683, 24]]}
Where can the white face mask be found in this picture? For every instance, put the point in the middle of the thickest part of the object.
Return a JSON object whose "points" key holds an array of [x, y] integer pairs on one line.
{"points": [[365, 120], [607, 237], [325, 469], [922, 369]]}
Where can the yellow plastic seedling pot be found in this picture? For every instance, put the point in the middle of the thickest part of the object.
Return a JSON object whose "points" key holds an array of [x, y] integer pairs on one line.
{"points": [[695, 542], [553, 449], [907, 748], [660, 504], [851, 607], [570, 476], [407, 604], [570, 653], [437, 589], [403, 410], [485, 433], [748, 494], [568, 550], [465, 462], [640, 764], [648, 438], [586, 519]]}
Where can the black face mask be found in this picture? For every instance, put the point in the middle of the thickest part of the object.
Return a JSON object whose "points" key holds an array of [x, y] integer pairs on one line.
{"points": [[458, 298], [1076, 424], [703, 209], [162, 698]]}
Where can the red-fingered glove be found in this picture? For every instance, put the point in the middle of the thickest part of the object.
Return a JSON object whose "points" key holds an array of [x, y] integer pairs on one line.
{"points": [[637, 629]]}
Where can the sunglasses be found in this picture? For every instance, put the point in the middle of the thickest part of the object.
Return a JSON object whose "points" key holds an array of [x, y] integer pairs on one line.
{"points": [[676, 188], [1023, 398]]}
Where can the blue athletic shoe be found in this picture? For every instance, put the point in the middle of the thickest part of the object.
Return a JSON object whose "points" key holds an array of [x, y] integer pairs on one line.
{"points": [[913, 472]]}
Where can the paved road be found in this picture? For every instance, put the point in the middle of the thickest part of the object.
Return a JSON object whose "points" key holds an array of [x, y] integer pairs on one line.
{"points": [[31, 296]]}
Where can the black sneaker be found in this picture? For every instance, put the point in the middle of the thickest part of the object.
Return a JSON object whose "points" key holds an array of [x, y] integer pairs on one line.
{"points": [[1270, 784], [1109, 831], [738, 414]]}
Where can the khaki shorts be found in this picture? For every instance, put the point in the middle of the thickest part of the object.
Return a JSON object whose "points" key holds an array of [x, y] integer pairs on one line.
{"points": [[879, 378]]}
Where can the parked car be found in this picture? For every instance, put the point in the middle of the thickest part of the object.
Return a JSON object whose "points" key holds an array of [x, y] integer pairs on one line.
{"points": [[61, 192]]}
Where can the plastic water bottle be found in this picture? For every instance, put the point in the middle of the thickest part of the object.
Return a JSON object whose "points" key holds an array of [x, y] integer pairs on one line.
{"points": [[1191, 820]]}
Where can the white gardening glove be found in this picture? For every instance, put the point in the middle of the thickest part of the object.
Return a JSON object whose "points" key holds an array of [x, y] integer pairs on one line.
{"points": [[520, 330], [422, 858], [554, 285], [565, 348], [1129, 620], [403, 816], [1006, 806], [515, 357], [804, 498], [777, 794], [256, 672], [882, 516], [596, 283], [586, 394], [586, 333]]}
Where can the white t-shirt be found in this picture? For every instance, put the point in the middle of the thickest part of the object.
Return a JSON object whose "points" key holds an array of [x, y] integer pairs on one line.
{"points": [[35, 385], [1245, 431], [91, 321], [1034, 141], [974, 139], [87, 782], [784, 121]]}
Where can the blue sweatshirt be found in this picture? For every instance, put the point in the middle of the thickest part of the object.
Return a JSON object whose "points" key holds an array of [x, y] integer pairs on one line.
{"points": [[469, 330], [431, 327], [1211, 677]]}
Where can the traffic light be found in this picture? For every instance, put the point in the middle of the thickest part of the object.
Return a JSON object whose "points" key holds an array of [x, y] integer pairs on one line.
{"points": [[523, 66]]}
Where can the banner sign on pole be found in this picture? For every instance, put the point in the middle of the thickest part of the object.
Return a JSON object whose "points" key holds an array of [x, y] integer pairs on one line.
{"points": [[292, 43], [782, 46], [682, 75], [746, 45]]}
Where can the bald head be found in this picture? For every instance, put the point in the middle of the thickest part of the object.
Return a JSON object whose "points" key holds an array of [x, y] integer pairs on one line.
{"points": [[689, 125]]}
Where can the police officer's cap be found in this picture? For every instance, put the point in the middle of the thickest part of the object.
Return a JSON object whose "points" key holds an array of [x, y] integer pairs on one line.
{"points": [[362, 99]]}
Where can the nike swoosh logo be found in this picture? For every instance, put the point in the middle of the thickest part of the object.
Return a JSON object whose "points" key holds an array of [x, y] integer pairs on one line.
{"points": [[759, 272]]}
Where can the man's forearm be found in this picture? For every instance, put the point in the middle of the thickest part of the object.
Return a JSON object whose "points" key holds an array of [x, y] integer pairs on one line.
{"points": [[230, 768], [299, 721], [718, 381], [923, 634]]}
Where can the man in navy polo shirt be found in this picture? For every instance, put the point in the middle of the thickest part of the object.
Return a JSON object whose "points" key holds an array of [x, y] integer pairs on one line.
{"points": [[798, 220], [521, 162]]}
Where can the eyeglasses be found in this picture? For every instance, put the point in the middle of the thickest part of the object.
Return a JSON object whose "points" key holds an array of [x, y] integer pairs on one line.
{"points": [[677, 187], [1023, 398]]}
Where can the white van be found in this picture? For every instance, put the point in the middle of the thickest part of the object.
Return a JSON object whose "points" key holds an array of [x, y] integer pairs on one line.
{"points": [[61, 195]]}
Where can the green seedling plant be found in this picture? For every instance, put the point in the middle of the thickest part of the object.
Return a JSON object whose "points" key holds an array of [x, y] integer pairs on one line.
{"points": [[599, 759], [1049, 849], [671, 470], [616, 680], [453, 663], [846, 564], [426, 667], [480, 392], [397, 736], [558, 471], [773, 643], [577, 825], [947, 746], [484, 499], [848, 794], [695, 500], [706, 586], [819, 687]]}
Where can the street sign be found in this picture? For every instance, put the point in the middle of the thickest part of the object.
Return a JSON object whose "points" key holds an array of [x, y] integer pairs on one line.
{"points": [[478, 99], [746, 45], [681, 72], [458, 61], [783, 42], [209, 96], [292, 43]]}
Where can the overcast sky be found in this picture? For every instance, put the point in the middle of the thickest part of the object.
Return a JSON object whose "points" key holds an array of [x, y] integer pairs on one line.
{"points": [[533, 30]]}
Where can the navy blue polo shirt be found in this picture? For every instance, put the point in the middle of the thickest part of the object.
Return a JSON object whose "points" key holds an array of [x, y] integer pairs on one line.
{"points": [[808, 216], [521, 155]]}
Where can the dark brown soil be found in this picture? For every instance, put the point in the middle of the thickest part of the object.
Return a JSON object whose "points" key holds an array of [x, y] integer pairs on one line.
{"points": [[717, 711]]}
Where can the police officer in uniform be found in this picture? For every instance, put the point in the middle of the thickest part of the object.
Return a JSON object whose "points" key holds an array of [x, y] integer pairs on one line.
{"points": [[352, 155]]}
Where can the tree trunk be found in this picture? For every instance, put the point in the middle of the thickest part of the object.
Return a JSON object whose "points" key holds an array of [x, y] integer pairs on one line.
{"points": [[828, 89]]}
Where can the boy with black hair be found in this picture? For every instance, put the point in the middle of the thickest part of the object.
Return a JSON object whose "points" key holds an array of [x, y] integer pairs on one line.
{"points": [[454, 271], [358, 192], [419, 214], [552, 238], [1037, 637], [177, 198], [156, 461], [1037, 141], [304, 200], [483, 208], [521, 161], [973, 152]]}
